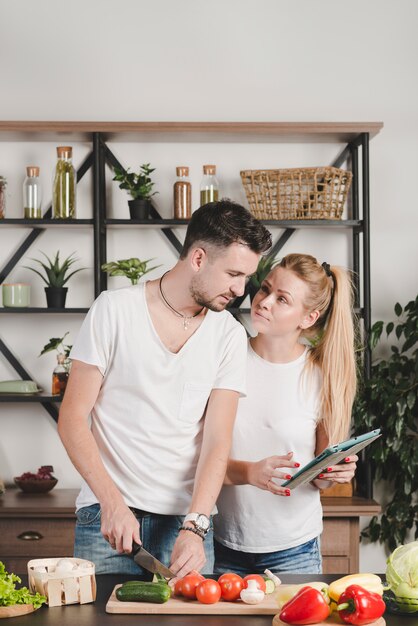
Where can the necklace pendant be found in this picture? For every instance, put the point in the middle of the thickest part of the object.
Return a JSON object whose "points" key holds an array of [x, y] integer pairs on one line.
{"points": [[186, 323]]}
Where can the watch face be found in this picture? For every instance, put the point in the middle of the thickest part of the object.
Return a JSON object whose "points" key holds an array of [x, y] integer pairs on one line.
{"points": [[203, 522]]}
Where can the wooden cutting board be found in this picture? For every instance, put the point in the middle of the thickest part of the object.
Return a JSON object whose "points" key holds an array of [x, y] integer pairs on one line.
{"points": [[15, 609], [332, 620], [182, 606]]}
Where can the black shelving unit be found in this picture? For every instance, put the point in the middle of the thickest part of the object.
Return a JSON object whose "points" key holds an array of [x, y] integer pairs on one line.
{"points": [[355, 153]]}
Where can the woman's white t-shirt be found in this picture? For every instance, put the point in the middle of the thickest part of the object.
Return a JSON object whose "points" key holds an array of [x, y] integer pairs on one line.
{"points": [[279, 415], [149, 415]]}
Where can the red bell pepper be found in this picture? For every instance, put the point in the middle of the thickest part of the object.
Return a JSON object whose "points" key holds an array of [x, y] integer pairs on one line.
{"points": [[358, 606], [308, 606]]}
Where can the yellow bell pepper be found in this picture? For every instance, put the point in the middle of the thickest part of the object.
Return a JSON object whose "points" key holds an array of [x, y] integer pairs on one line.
{"points": [[371, 582], [286, 592]]}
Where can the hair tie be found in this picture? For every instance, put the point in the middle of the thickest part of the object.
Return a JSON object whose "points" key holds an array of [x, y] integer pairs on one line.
{"points": [[327, 269]]}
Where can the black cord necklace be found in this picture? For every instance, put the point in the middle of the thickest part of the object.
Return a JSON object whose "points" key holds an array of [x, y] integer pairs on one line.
{"points": [[186, 318]]}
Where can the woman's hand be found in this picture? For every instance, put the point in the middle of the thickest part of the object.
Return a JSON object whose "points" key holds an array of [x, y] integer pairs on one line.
{"points": [[261, 473], [341, 473]]}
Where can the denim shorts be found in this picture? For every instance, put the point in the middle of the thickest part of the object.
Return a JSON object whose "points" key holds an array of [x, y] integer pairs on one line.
{"points": [[302, 559], [158, 534]]}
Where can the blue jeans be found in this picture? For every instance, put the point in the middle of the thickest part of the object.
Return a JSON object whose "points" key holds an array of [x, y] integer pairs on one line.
{"points": [[158, 534], [303, 559]]}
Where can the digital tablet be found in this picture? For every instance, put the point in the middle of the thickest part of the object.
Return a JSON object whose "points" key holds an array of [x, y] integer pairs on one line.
{"points": [[330, 456]]}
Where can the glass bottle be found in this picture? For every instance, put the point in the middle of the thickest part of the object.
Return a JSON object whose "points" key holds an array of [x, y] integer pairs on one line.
{"points": [[64, 187], [182, 194], [32, 194], [3, 184], [209, 187], [59, 376]]}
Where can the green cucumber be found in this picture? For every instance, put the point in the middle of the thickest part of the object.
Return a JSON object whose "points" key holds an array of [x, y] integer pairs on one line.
{"points": [[138, 591], [270, 586]]}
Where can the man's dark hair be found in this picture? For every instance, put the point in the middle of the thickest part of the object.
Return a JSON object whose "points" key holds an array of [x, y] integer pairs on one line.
{"points": [[223, 223]]}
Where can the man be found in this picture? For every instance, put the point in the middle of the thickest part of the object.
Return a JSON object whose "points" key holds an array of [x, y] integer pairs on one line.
{"points": [[160, 367]]}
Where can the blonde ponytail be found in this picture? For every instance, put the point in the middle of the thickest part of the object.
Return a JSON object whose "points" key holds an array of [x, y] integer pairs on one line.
{"points": [[330, 292]]}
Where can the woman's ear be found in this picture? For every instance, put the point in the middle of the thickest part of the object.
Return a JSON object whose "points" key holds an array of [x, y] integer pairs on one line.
{"points": [[309, 320]]}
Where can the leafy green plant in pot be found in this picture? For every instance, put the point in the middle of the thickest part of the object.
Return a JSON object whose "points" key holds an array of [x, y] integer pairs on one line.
{"points": [[132, 268], [56, 276], [139, 186], [389, 401]]}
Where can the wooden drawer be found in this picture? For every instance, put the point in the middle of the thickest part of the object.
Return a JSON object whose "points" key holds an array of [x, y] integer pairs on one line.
{"points": [[50, 537], [335, 539]]}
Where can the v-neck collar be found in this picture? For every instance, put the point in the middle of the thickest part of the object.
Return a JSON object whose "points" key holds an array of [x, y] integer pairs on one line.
{"points": [[154, 330]]}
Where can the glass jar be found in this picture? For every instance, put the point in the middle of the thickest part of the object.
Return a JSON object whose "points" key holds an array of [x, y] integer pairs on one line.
{"points": [[182, 194], [64, 187], [60, 376], [209, 187], [32, 194]]}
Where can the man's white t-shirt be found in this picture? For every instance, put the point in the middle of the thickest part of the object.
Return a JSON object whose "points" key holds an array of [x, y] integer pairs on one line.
{"points": [[149, 415], [279, 415]]}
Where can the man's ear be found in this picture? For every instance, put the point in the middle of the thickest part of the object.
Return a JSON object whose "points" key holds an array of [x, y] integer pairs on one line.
{"points": [[309, 320], [198, 258]]}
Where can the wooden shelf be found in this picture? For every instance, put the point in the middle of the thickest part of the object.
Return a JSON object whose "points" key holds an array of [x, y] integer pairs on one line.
{"points": [[173, 223], [21, 397], [44, 222], [300, 132]]}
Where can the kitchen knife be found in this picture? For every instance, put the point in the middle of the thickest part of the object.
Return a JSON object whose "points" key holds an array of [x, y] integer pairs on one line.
{"points": [[150, 563]]}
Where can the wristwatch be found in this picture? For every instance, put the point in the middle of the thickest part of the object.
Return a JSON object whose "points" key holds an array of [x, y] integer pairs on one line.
{"points": [[199, 520]]}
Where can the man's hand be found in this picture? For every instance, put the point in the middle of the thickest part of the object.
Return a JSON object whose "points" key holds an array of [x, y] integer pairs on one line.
{"points": [[120, 527], [261, 473], [188, 554]]}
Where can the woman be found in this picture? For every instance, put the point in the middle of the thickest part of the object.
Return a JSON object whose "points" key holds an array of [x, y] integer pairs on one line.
{"points": [[299, 401]]}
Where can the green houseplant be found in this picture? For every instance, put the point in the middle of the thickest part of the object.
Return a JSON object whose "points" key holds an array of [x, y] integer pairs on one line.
{"points": [[139, 186], [389, 401], [56, 275], [132, 268]]}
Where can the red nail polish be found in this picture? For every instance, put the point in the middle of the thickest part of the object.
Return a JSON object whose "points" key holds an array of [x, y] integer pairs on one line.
{"points": [[320, 476], [347, 459], [329, 469], [287, 492], [288, 476], [297, 464]]}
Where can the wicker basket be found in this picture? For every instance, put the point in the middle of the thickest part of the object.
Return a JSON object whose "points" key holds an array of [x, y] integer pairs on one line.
{"points": [[308, 193], [61, 588]]}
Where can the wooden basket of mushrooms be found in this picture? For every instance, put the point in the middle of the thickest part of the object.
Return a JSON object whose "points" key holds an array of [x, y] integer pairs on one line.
{"points": [[63, 580]]}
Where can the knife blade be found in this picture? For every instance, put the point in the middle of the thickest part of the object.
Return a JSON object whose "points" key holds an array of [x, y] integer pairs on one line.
{"points": [[145, 559]]}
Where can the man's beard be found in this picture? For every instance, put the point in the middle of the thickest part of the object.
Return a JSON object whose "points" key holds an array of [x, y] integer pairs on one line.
{"points": [[202, 299]]}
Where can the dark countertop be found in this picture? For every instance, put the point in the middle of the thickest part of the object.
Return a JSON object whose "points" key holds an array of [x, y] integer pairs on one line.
{"points": [[95, 615]]}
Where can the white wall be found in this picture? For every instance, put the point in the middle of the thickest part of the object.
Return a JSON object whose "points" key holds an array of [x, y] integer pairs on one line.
{"points": [[230, 60]]}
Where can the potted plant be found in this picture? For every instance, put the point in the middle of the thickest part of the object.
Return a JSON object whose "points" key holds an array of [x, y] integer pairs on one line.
{"points": [[56, 275], [139, 186], [389, 401], [3, 183], [133, 268]]}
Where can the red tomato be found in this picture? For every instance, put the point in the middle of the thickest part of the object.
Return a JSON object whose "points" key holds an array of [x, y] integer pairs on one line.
{"points": [[231, 586], [208, 592], [178, 588], [189, 584], [261, 583]]}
